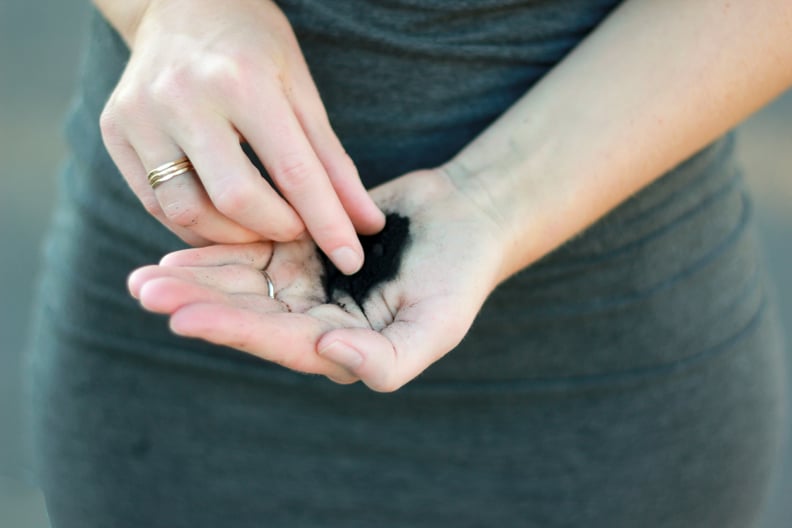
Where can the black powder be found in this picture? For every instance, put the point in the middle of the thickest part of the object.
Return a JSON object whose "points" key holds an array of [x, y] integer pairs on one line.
{"points": [[383, 253]]}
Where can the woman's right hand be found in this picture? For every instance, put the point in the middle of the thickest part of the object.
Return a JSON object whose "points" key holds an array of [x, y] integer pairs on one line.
{"points": [[204, 76]]}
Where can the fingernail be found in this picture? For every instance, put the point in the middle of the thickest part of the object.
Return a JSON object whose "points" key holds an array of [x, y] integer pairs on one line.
{"points": [[344, 355], [347, 260]]}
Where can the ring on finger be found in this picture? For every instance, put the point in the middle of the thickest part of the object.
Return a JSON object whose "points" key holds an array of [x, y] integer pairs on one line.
{"points": [[168, 171], [270, 284]]}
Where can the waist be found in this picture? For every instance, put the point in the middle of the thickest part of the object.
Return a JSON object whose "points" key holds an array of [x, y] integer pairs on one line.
{"points": [[667, 275]]}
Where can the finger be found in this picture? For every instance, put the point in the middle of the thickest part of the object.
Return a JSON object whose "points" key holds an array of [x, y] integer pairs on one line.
{"points": [[386, 360], [280, 143], [168, 294], [229, 279], [294, 271], [235, 186], [128, 163], [183, 199], [256, 255], [287, 339], [366, 217]]}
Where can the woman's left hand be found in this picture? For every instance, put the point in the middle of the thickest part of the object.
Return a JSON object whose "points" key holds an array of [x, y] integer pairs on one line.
{"points": [[451, 263]]}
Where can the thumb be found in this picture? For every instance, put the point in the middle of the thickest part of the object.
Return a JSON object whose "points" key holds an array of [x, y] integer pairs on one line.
{"points": [[388, 359]]}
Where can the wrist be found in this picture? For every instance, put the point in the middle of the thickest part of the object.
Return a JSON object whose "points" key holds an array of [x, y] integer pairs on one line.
{"points": [[497, 205], [125, 17]]}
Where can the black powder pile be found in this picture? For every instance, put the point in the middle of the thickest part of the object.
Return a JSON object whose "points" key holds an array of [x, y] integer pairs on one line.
{"points": [[383, 253]]}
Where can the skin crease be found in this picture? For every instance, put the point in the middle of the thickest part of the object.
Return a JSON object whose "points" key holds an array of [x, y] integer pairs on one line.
{"points": [[202, 76], [606, 122]]}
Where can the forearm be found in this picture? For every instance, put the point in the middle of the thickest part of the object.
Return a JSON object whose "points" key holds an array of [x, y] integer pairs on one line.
{"points": [[656, 82]]}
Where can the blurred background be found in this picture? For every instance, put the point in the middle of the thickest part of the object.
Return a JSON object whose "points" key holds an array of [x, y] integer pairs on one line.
{"points": [[39, 57]]}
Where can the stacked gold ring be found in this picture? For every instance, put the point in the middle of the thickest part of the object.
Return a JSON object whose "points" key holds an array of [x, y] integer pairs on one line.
{"points": [[168, 171]]}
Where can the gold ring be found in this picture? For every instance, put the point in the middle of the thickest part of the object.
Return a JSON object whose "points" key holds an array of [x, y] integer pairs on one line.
{"points": [[270, 285], [168, 171]]}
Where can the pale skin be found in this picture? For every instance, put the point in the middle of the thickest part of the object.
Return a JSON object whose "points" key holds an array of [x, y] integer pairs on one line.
{"points": [[204, 76], [653, 84], [218, 293]]}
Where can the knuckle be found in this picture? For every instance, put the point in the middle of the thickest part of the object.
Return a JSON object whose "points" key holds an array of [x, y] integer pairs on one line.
{"points": [[152, 206], [126, 103], [231, 74], [108, 123], [233, 200], [124, 100], [181, 215], [294, 174], [286, 232], [113, 118], [173, 87], [293, 231]]}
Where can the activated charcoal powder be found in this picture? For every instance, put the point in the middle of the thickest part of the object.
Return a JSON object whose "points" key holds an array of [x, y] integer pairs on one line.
{"points": [[383, 254]]}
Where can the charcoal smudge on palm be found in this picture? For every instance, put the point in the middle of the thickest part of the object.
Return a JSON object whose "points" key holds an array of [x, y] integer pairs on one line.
{"points": [[383, 255]]}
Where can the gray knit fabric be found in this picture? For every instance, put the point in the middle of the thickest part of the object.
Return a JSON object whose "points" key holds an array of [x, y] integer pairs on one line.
{"points": [[631, 378]]}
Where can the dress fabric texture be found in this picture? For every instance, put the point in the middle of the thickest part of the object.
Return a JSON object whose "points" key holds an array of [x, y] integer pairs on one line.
{"points": [[633, 377]]}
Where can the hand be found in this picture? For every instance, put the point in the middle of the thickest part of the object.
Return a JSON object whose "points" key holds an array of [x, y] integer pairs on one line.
{"points": [[452, 261], [204, 76]]}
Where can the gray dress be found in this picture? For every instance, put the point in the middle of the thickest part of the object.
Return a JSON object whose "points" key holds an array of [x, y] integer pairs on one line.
{"points": [[631, 378]]}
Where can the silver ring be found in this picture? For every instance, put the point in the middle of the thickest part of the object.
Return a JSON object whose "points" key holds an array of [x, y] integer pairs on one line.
{"points": [[270, 284]]}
